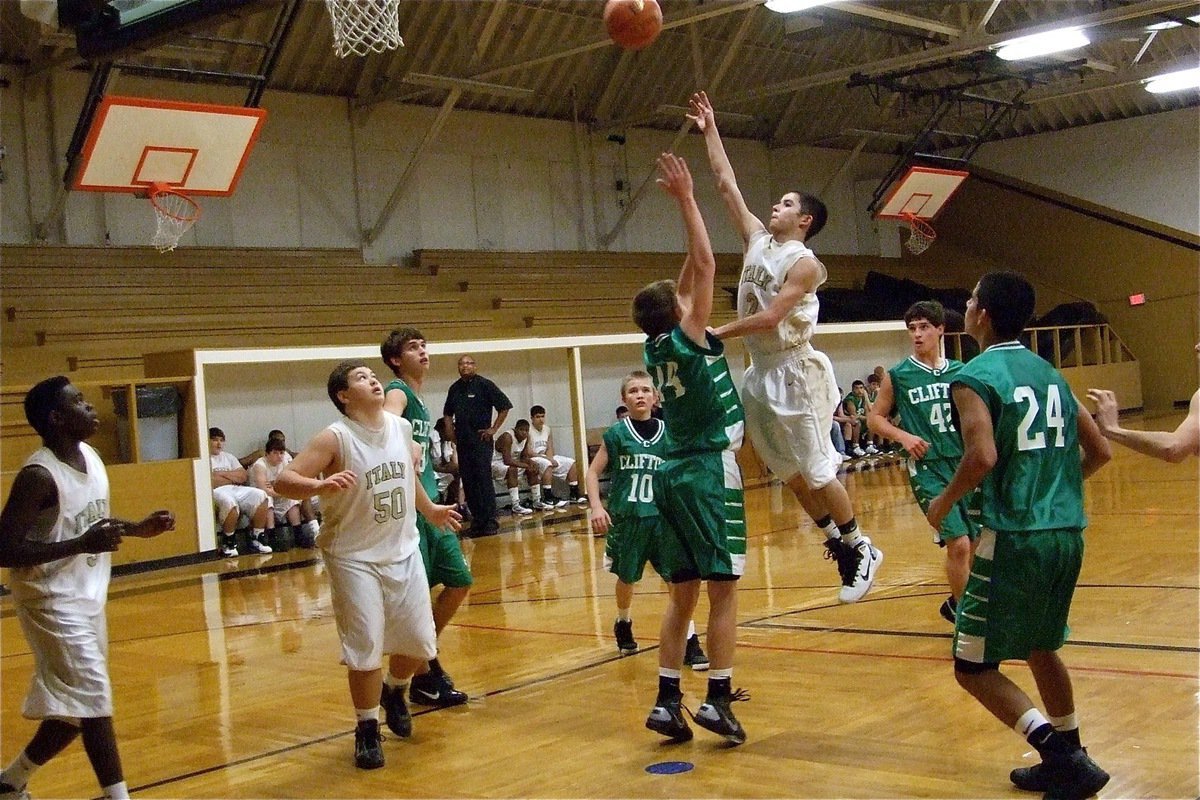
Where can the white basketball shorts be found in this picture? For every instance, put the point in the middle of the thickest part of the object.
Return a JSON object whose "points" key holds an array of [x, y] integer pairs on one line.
{"points": [[789, 400], [70, 656], [246, 499], [381, 608], [564, 465]]}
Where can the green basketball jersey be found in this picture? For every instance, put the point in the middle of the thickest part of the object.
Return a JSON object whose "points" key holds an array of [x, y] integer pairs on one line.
{"points": [[922, 398], [632, 462], [416, 413], [858, 403], [1037, 483], [700, 403]]}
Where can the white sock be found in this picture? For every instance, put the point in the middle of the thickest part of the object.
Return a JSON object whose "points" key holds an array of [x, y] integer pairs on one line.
{"points": [[535, 493], [257, 533], [623, 615], [395, 683], [118, 791], [311, 527], [663, 672], [1068, 723], [1029, 722], [853, 538], [831, 531], [717, 674], [691, 628], [514, 494], [17, 773], [367, 714]]}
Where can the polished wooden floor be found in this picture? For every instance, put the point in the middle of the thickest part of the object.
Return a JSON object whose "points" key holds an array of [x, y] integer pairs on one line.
{"points": [[228, 683]]}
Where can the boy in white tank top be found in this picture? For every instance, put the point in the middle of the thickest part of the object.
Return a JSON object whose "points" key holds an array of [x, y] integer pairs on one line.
{"points": [[56, 536], [369, 540], [789, 392]]}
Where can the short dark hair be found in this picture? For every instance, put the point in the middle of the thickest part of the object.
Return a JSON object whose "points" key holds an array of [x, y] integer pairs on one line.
{"points": [[1009, 300], [813, 206], [857, 383], [339, 380], [274, 446], [535, 410], [931, 311], [521, 423], [393, 345], [276, 434], [873, 378], [42, 400], [621, 410], [654, 308], [216, 433]]}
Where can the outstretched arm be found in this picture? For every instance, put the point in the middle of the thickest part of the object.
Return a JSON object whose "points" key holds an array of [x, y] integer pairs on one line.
{"points": [[706, 121], [1173, 446], [301, 478], [802, 278], [699, 268]]}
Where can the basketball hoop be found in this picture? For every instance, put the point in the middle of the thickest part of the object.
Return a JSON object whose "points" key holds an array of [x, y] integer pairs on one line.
{"points": [[175, 213], [364, 26], [921, 234]]}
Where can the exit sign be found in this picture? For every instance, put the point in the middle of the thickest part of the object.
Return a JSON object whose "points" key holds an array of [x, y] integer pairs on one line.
{"points": [[1137, 299]]}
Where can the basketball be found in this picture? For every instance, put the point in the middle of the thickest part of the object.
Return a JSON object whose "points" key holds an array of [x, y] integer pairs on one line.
{"points": [[633, 24]]}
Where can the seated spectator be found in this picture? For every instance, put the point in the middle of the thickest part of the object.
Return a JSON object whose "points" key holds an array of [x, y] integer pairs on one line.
{"points": [[855, 406], [873, 384], [233, 497], [286, 511], [622, 413], [549, 464], [247, 461], [508, 462], [445, 464]]}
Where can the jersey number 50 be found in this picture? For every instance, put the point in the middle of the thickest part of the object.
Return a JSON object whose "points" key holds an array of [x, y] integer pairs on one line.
{"points": [[389, 504]]}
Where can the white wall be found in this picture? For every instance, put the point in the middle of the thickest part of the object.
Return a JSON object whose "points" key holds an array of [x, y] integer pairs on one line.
{"points": [[1146, 166], [321, 174]]}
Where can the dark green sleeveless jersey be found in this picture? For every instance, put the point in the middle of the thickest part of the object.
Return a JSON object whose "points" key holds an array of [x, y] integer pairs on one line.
{"points": [[922, 398], [632, 462], [416, 413], [700, 403], [1037, 482]]}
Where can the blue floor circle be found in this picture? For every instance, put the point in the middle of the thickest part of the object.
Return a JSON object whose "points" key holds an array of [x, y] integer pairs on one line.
{"points": [[670, 767]]}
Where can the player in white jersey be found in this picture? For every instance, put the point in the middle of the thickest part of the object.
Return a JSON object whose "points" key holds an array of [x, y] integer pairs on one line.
{"points": [[369, 539], [789, 391], [508, 460], [56, 536], [549, 464]]}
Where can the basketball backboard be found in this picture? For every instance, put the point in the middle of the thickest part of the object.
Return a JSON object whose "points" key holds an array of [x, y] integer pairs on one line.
{"points": [[195, 148], [921, 193]]}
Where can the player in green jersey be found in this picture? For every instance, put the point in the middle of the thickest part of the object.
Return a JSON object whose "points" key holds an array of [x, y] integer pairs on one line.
{"points": [[1029, 448], [918, 388], [698, 487], [404, 353], [630, 453]]}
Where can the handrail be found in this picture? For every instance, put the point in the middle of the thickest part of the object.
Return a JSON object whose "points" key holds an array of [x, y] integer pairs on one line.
{"points": [[1064, 346]]}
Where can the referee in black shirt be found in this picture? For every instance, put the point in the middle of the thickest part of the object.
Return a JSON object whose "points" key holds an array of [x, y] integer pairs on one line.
{"points": [[468, 412]]}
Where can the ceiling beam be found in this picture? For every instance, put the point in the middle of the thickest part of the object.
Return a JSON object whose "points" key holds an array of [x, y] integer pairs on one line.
{"points": [[900, 18], [981, 26], [968, 43], [467, 85], [489, 29]]}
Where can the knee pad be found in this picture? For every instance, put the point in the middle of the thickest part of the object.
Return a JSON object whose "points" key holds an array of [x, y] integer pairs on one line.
{"points": [[972, 668]]}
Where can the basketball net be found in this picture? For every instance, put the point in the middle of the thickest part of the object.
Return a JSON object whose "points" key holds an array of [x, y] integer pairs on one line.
{"points": [[921, 234], [174, 212], [364, 26]]}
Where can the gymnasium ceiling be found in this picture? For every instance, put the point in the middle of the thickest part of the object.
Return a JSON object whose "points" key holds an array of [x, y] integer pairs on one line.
{"points": [[781, 79]]}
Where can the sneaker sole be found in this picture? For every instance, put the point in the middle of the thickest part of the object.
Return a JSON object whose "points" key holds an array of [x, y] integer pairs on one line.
{"points": [[737, 737], [625, 651], [672, 735], [870, 583], [701, 666]]}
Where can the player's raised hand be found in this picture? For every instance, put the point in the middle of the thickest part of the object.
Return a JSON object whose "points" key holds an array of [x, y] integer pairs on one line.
{"points": [[337, 482], [702, 112], [444, 517], [1106, 408], [104, 536], [155, 523], [674, 176]]}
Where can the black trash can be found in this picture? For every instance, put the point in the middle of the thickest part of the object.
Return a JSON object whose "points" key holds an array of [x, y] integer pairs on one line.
{"points": [[158, 423]]}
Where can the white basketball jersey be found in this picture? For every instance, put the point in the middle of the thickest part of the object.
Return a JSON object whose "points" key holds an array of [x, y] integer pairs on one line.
{"points": [[77, 582], [764, 269], [515, 450], [375, 520], [539, 441], [271, 472]]}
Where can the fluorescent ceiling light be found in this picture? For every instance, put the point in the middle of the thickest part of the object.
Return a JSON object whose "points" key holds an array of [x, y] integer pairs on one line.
{"points": [[792, 6], [1040, 44], [1163, 26], [1174, 81]]}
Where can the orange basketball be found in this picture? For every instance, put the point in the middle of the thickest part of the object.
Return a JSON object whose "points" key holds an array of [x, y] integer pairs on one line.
{"points": [[633, 24]]}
